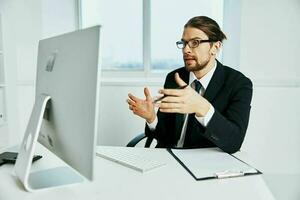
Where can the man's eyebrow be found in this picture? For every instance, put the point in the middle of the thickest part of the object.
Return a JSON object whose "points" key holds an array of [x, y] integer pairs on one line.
{"points": [[191, 39]]}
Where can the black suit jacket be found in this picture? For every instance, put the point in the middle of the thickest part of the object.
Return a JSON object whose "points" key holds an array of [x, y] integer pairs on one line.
{"points": [[230, 92]]}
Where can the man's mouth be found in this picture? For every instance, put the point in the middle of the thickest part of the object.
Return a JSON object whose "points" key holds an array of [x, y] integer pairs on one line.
{"points": [[188, 58]]}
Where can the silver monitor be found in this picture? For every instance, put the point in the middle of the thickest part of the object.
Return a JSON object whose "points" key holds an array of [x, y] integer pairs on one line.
{"points": [[65, 114]]}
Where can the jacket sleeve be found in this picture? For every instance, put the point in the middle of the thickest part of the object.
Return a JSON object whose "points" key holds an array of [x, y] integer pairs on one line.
{"points": [[227, 129]]}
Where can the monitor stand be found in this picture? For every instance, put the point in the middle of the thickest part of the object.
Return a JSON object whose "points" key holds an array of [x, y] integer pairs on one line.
{"points": [[43, 179]]}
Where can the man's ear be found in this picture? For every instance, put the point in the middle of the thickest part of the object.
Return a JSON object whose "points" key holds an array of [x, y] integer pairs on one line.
{"points": [[216, 47]]}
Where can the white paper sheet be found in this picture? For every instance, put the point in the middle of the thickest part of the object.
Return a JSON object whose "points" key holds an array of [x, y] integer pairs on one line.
{"points": [[209, 162]]}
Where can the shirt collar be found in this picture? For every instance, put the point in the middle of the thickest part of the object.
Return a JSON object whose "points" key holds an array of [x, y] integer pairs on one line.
{"points": [[205, 79]]}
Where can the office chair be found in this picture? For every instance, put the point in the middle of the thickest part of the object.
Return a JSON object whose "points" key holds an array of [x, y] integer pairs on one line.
{"points": [[139, 138]]}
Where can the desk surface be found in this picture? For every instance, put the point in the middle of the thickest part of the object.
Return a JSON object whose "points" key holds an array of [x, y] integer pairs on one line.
{"points": [[114, 181]]}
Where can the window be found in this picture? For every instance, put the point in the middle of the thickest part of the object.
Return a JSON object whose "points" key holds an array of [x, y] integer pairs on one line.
{"points": [[140, 35]]}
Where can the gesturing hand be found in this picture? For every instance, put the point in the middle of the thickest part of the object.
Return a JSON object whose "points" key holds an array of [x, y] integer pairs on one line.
{"points": [[142, 107], [184, 101]]}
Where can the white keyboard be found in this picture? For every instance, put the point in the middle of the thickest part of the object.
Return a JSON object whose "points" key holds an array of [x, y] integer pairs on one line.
{"points": [[135, 158]]}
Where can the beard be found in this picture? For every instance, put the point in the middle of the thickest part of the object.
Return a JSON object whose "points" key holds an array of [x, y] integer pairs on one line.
{"points": [[197, 66]]}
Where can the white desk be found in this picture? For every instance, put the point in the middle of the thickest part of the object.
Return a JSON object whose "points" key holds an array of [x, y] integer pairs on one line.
{"points": [[114, 181]]}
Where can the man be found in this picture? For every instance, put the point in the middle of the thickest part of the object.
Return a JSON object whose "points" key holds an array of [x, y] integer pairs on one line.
{"points": [[213, 110]]}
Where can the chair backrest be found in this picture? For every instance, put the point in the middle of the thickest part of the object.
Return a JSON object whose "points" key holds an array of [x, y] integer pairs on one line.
{"points": [[139, 138]]}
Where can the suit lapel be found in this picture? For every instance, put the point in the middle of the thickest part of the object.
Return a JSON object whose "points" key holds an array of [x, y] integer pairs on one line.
{"points": [[216, 83]]}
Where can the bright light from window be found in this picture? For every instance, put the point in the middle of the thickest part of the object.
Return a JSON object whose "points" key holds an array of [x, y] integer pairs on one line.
{"points": [[122, 34]]}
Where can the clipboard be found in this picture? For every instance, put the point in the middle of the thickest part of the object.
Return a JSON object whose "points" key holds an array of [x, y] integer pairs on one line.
{"points": [[212, 163]]}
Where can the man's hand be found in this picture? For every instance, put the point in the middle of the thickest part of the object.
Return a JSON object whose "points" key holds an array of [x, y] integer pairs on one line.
{"points": [[141, 107], [184, 101]]}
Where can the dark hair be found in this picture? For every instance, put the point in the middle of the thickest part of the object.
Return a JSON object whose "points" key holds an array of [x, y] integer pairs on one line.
{"points": [[208, 26]]}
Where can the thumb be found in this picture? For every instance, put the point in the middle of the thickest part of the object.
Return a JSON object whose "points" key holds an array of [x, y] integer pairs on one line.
{"points": [[147, 94], [179, 81]]}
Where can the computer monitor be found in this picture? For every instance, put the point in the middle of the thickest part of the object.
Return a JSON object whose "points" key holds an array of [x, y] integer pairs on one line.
{"points": [[65, 114]]}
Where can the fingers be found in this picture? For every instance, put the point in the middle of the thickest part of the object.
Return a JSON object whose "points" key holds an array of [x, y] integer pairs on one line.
{"points": [[179, 81], [172, 99], [130, 102], [172, 92], [176, 92], [158, 98], [170, 110], [170, 105], [134, 98], [130, 107], [147, 94]]}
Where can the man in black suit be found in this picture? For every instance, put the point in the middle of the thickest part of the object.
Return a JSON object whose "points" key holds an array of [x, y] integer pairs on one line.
{"points": [[204, 104]]}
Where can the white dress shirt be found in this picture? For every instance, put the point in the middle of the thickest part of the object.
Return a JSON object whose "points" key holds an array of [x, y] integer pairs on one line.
{"points": [[203, 120]]}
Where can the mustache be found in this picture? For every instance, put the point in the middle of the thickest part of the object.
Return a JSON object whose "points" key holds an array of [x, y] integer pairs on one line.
{"points": [[188, 57]]}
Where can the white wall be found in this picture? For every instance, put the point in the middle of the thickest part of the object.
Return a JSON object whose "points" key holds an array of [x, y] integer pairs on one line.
{"points": [[269, 48], [117, 123], [17, 17], [232, 30], [25, 22], [55, 17], [270, 40], [273, 134]]}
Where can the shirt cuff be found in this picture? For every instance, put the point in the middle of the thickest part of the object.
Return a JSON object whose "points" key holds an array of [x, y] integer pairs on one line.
{"points": [[205, 120], [152, 125]]}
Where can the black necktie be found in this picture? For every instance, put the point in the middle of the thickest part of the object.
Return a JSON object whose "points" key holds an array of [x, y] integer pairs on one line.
{"points": [[197, 85], [192, 122]]}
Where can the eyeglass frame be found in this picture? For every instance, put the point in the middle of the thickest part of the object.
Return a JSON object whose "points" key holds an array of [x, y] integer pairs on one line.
{"points": [[194, 39]]}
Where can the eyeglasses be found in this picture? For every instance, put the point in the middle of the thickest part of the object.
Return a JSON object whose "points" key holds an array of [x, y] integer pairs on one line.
{"points": [[193, 43]]}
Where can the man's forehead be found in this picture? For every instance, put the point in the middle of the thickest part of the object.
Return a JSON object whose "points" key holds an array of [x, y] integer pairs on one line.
{"points": [[190, 33]]}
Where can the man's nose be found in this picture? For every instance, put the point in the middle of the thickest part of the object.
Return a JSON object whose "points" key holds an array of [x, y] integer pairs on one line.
{"points": [[186, 49]]}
